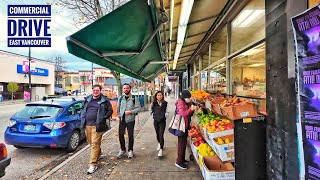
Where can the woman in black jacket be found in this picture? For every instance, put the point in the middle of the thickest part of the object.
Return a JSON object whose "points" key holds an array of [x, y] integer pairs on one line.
{"points": [[160, 113]]}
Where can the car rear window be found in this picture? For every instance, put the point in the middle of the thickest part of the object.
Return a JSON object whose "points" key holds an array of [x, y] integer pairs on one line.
{"points": [[38, 111]]}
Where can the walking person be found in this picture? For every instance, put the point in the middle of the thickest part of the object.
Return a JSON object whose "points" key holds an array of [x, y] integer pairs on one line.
{"points": [[185, 111], [127, 109], [159, 110], [97, 109]]}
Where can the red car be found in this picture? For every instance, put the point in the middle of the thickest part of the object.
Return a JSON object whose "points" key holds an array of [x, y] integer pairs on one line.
{"points": [[4, 159]]}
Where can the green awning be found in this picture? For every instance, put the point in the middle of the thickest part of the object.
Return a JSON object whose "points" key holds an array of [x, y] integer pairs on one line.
{"points": [[117, 40]]}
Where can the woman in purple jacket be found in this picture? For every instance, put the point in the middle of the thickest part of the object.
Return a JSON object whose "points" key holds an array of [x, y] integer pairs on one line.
{"points": [[185, 111]]}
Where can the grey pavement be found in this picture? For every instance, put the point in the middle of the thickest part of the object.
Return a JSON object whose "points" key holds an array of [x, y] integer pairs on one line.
{"points": [[144, 165]]}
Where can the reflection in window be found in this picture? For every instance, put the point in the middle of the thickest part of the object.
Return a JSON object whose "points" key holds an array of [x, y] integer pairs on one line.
{"points": [[218, 47], [218, 82], [204, 80], [249, 25], [249, 73]]}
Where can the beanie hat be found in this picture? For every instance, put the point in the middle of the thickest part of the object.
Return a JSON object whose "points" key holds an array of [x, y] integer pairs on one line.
{"points": [[185, 94]]}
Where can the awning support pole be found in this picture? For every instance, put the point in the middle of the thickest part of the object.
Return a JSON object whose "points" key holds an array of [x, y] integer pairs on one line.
{"points": [[145, 45]]}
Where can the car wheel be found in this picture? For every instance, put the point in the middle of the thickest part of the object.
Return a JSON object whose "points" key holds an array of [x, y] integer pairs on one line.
{"points": [[18, 147], [74, 141]]}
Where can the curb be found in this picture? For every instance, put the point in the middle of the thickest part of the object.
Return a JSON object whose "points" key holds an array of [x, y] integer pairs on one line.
{"points": [[48, 174]]}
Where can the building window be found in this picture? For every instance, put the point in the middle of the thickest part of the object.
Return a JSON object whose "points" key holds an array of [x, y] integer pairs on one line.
{"points": [[248, 26], [75, 79], [67, 81]]}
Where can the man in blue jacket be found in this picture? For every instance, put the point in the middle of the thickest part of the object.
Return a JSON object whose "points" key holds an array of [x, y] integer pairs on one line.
{"points": [[97, 109], [127, 109]]}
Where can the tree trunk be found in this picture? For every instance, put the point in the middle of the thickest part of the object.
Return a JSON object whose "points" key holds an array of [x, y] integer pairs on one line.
{"points": [[12, 96], [116, 75]]}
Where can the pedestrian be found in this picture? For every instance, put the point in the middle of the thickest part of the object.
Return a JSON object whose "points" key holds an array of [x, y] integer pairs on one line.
{"points": [[127, 109], [77, 92], [97, 109], [160, 113], [185, 111]]}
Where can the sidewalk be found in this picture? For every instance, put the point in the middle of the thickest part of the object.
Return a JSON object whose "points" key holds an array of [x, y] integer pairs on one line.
{"points": [[144, 165], [9, 102]]}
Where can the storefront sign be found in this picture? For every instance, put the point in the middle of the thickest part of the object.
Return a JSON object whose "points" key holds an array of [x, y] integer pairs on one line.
{"points": [[307, 38], [38, 71]]}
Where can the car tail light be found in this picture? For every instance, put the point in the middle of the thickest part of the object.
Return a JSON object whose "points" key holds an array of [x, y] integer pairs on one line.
{"points": [[3, 151], [12, 123], [54, 125]]}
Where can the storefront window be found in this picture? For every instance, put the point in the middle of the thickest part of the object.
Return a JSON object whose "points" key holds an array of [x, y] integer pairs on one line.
{"points": [[76, 79], [248, 26], [68, 81], [204, 80], [218, 81], [249, 73], [219, 46]]}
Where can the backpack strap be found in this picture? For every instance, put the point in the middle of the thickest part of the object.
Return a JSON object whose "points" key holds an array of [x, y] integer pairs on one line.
{"points": [[133, 99]]}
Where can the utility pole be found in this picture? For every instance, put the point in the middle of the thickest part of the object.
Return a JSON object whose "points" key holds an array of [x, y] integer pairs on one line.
{"points": [[29, 73], [92, 75]]}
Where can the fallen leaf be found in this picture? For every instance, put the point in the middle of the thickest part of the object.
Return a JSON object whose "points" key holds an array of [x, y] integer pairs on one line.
{"points": [[126, 161], [109, 170], [141, 173]]}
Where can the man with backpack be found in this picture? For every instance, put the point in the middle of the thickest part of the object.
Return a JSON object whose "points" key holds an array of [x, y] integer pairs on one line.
{"points": [[127, 109]]}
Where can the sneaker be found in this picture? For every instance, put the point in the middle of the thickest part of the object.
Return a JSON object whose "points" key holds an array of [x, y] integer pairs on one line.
{"points": [[160, 153], [130, 154], [121, 153], [92, 169], [159, 147], [181, 166], [185, 162]]}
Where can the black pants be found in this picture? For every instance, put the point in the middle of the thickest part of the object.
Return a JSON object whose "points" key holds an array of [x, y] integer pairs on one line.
{"points": [[160, 126], [122, 129], [182, 145]]}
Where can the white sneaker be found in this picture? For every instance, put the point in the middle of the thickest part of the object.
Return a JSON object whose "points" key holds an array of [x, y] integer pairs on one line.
{"points": [[158, 148], [92, 169], [121, 153], [160, 153], [130, 154]]}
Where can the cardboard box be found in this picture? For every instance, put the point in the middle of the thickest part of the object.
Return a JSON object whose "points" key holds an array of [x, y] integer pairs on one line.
{"points": [[224, 151], [214, 169], [220, 133], [240, 111]]}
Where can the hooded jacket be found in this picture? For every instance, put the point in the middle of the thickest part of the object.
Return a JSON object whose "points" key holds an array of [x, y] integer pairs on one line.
{"points": [[184, 111], [104, 112]]}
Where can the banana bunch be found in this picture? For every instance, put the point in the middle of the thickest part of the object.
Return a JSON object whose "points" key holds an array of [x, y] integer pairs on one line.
{"points": [[205, 150]]}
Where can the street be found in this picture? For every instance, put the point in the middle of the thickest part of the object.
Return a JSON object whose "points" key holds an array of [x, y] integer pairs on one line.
{"points": [[28, 163]]}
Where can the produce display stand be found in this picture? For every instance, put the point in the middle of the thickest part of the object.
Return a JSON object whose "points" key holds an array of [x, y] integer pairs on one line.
{"points": [[246, 152]]}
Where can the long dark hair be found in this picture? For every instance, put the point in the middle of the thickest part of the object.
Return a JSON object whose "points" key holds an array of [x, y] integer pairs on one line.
{"points": [[155, 96]]}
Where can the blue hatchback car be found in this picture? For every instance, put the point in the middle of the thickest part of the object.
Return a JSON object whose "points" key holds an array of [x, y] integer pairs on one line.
{"points": [[50, 123]]}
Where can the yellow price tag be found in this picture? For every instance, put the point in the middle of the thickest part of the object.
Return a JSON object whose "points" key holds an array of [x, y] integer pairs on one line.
{"points": [[247, 120]]}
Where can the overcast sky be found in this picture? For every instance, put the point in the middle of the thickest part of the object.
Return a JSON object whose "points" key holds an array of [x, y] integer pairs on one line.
{"points": [[61, 26]]}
